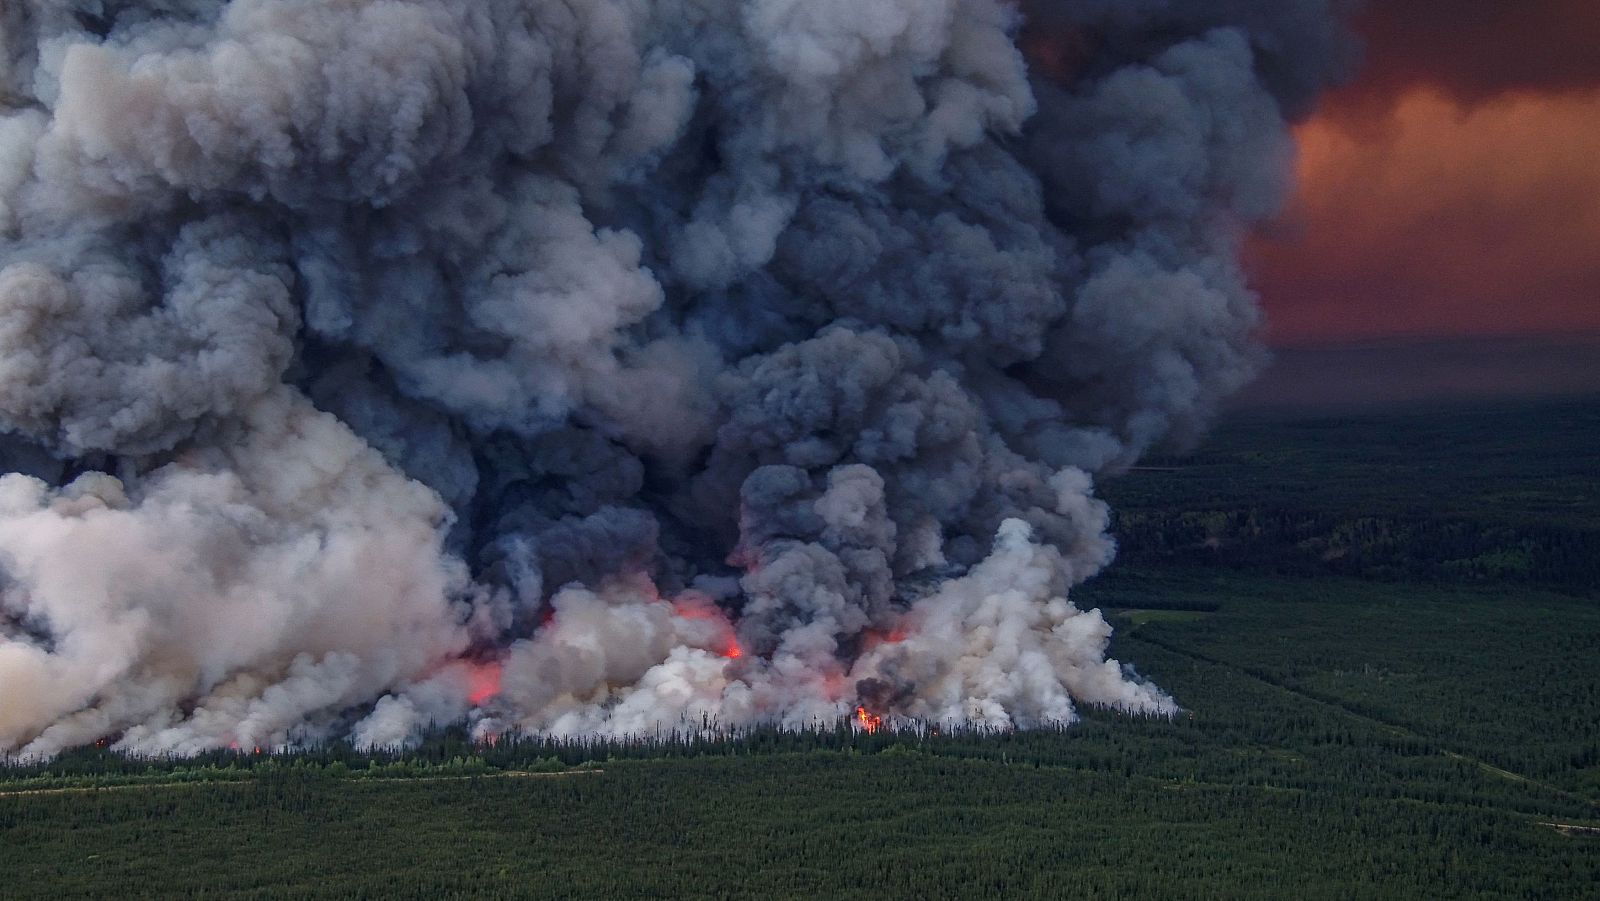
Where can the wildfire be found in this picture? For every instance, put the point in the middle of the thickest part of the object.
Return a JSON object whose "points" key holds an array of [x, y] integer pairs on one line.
{"points": [[696, 608], [868, 721], [483, 682], [872, 638]]}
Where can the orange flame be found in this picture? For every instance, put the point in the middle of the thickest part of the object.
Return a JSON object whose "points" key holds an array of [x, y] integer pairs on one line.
{"points": [[868, 721]]}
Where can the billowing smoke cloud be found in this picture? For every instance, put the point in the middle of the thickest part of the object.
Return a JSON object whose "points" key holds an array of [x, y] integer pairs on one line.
{"points": [[602, 367]]}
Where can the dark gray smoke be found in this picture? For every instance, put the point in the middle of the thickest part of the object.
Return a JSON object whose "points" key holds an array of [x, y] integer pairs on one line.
{"points": [[593, 367]]}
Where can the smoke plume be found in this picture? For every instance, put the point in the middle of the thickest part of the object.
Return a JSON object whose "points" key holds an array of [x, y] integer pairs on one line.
{"points": [[603, 367]]}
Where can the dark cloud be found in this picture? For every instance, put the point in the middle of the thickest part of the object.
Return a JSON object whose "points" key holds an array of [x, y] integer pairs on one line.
{"points": [[1450, 190], [1474, 50]]}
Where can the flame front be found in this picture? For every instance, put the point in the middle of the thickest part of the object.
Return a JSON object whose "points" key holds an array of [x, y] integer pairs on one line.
{"points": [[868, 720]]}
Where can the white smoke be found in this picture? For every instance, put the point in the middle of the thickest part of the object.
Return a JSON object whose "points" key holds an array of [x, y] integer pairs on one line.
{"points": [[605, 367], [265, 583]]}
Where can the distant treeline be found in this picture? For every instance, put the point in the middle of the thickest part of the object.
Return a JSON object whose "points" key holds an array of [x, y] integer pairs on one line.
{"points": [[1300, 542], [1502, 494]]}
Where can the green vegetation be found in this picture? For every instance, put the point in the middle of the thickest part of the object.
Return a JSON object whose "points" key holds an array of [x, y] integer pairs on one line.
{"points": [[1507, 495], [1510, 677], [1406, 729]]}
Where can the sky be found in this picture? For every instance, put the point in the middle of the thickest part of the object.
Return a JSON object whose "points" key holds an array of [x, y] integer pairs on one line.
{"points": [[1452, 190]]}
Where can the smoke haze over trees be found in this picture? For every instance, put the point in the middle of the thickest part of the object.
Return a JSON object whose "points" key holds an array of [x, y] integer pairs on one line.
{"points": [[595, 368]]}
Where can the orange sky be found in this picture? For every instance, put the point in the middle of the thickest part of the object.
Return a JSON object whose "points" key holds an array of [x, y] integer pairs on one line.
{"points": [[1454, 189]]}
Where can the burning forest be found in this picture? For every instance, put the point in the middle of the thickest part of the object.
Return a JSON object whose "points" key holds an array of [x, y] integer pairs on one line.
{"points": [[593, 369]]}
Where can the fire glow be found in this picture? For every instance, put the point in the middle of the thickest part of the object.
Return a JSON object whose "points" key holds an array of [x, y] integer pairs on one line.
{"points": [[483, 682], [696, 608], [872, 638]]}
